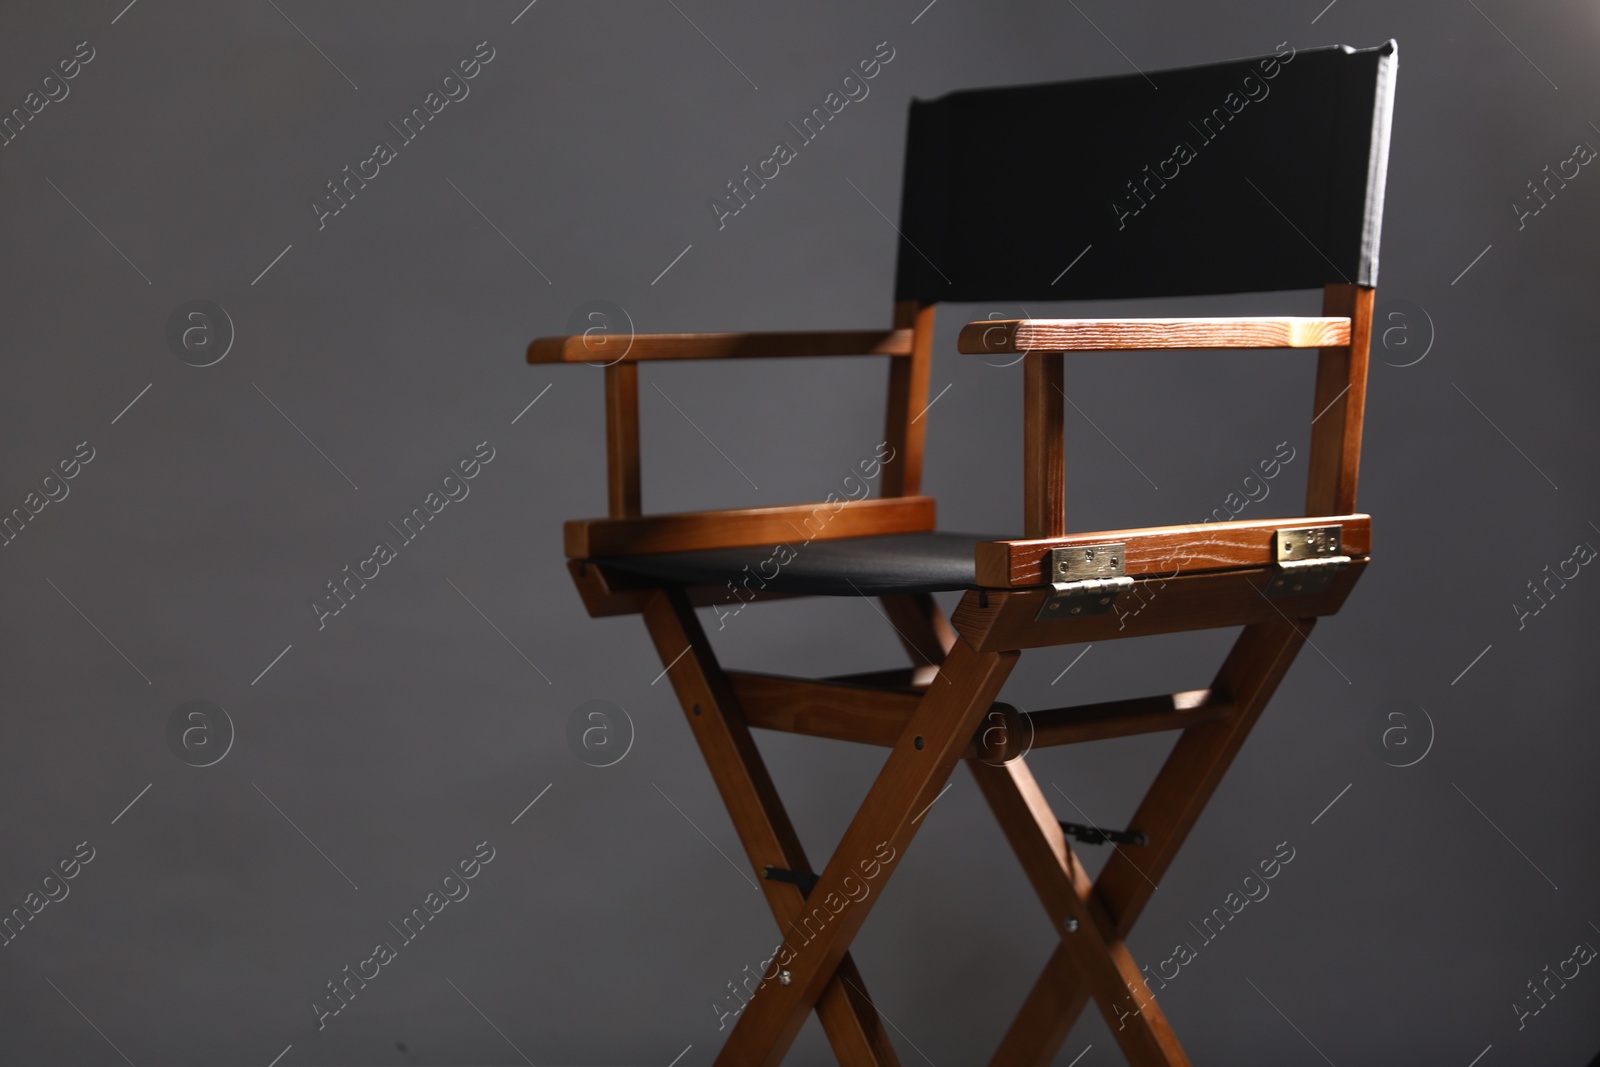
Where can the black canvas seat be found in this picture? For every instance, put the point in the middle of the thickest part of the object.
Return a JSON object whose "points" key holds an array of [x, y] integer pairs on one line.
{"points": [[931, 562]]}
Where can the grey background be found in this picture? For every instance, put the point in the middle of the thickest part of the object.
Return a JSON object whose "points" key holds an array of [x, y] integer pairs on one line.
{"points": [[409, 729]]}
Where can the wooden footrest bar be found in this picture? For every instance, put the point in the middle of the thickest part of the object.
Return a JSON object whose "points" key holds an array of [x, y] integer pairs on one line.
{"points": [[842, 711], [1120, 718], [874, 715]]}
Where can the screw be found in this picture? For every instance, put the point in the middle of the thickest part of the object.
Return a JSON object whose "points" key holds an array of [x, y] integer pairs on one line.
{"points": [[784, 977], [1069, 925], [697, 709], [917, 742]]}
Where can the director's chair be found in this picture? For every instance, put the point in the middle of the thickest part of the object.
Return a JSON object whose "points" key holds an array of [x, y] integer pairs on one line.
{"points": [[1248, 176]]}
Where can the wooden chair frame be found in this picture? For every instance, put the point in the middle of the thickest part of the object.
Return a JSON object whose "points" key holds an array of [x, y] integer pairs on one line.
{"points": [[932, 716]]}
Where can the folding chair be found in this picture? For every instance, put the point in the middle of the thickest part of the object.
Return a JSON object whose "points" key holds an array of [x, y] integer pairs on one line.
{"points": [[1241, 177]]}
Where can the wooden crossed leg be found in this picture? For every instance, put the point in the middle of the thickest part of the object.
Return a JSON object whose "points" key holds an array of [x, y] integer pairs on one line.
{"points": [[813, 968], [1092, 959]]}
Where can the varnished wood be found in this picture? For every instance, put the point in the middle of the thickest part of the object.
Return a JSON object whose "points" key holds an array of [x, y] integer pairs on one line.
{"points": [[868, 714], [850, 1021], [845, 712], [1044, 470], [1163, 549], [648, 346], [1260, 658], [905, 412], [914, 679], [996, 620], [792, 524], [1107, 335], [1120, 718], [1094, 948], [622, 439], [910, 780], [943, 708], [1340, 406], [606, 592]]}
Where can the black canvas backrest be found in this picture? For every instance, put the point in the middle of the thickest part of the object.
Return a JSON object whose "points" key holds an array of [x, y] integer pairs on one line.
{"points": [[1247, 176]]}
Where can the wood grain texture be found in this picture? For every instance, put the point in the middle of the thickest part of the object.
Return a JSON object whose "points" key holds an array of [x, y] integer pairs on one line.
{"points": [[1096, 951], [1044, 458], [606, 592], [911, 779], [905, 421], [1106, 335], [1121, 718], [622, 440], [646, 346], [915, 679], [1006, 620], [852, 1024], [1259, 660], [1163, 549], [689, 530], [876, 715], [838, 710], [1340, 405]]}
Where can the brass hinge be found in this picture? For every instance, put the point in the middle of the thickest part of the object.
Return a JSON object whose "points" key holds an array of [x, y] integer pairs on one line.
{"points": [[1085, 580], [1307, 557]]}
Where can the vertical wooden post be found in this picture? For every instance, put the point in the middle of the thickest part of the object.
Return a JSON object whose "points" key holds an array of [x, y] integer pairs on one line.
{"points": [[622, 440], [905, 421], [1341, 403], [1044, 469]]}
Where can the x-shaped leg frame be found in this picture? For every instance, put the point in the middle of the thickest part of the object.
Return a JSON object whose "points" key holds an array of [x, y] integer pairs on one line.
{"points": [[848, 1018], [1094, 919], [813, 968]]}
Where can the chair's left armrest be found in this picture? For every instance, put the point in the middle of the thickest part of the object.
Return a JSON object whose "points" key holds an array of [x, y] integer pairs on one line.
{"points": [[608, 348]]}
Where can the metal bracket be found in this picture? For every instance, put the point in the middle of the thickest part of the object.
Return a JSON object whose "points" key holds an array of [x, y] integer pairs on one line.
{"points": [[1084, 580], [1094, 835], [1307, 557], [804, 879]]}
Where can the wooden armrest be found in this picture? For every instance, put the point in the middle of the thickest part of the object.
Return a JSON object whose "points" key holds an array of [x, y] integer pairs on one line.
{"points": [[611, 348], [737, 527], [1100, 335]]}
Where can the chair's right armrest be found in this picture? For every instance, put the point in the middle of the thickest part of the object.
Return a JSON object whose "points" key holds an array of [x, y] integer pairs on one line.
{"points": [[1105, 335], [608, 348]]}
